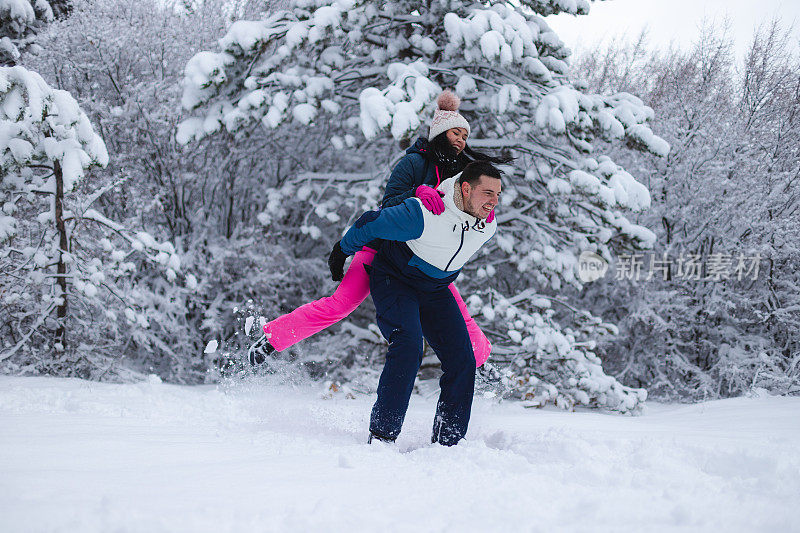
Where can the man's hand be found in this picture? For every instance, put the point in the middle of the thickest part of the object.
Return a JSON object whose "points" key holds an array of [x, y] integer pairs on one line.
{"points": [[336, 262], [430, 198]]}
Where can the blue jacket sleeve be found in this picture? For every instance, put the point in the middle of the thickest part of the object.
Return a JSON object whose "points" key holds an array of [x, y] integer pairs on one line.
{"points": [[397, 223], [401, 184]]}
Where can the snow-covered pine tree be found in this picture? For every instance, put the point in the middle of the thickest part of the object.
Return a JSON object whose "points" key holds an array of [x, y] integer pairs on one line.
{"points": [[66, 267], [21, 19], [372, 67]]}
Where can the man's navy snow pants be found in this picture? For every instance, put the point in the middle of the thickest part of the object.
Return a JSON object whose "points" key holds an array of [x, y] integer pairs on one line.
{"points": [[404, 315]]}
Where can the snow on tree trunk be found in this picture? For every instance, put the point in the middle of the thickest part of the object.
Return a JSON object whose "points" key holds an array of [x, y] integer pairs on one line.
{"points": [[61, 267], [373, 69]]}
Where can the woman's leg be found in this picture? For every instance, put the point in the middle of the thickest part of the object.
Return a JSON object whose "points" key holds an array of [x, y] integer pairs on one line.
{"points": [[480, 344], [313, 317]]}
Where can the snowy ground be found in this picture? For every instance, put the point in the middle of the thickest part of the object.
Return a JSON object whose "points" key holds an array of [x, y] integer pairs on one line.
{"points": [[81, 456]]}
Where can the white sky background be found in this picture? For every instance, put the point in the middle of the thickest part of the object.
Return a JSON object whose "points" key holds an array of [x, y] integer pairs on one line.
{"points": [[673, 21]]}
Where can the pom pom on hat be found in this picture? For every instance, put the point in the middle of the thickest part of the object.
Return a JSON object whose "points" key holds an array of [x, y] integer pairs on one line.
{"points": [[447, 116], [448, 101]]}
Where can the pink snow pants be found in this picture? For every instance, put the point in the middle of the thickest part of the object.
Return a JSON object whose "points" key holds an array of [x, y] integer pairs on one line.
{"points": [[315, 316]]}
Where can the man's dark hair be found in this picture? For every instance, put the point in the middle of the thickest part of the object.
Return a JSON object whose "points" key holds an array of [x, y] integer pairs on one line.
{"points": [[472, 172]]}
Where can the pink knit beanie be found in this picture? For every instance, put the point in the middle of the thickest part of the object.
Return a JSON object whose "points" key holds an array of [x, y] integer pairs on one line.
{"points": [[447, 116]]}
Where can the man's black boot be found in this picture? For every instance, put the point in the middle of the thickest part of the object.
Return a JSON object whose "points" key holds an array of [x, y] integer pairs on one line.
{"points": [[373, 436]]}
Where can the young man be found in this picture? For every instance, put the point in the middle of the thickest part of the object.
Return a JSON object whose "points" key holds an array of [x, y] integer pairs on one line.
{"points": [[409, 279]]}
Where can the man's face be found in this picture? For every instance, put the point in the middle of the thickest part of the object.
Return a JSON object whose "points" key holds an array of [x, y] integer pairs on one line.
{"points": [[482, 198]]}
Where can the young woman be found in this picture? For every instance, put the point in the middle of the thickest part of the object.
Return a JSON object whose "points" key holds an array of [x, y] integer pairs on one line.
{"points": [[426, 164]]}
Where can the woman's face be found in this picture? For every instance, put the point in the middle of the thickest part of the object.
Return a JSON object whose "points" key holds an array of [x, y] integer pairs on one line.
{"points": [[457, 138]]}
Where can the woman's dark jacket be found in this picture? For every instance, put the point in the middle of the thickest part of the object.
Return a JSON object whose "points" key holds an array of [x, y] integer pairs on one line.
{"points": [[411, 172]]}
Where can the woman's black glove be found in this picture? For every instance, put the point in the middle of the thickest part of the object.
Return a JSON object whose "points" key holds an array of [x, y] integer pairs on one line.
{"points": [[336, 262]]}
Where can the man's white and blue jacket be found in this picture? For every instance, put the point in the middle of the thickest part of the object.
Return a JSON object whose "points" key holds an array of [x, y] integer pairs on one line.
{"points": [[421, 248]]}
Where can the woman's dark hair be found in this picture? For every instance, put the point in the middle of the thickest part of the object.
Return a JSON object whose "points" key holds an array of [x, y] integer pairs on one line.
{"points": [[440, 152], [475, 155]]}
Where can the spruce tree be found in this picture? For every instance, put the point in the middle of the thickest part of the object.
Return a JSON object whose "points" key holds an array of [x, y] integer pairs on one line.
{"points": [[371, 70], [20, 20]]}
